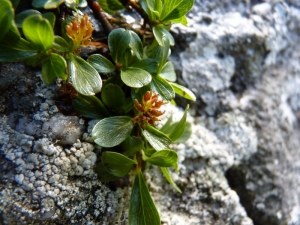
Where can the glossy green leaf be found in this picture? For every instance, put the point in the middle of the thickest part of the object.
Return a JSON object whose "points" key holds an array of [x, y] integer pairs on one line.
{"points": [[142, 210], [156, 138], [103, 173], [132, 145], [84, 77], [112, 131], [117, 164], [166, 127], [186, 133], [164, 158], [164, 54], [162, 87], [6, 16], [183, 91], [167, 175], [47, 4], [38, 31], [174, 9], [118, 42], [53, 68], [135, 77], [14, 48], [36, 59], [160, 32], [50, 17], [152, 16], [168, 72], [149, 65], [89, 107], [60, 44], [136, 45], [183, 20], [126, 107], [180, 126], [101, 64], [112, 96], [127, 58], [110, 6], [23, 15]]}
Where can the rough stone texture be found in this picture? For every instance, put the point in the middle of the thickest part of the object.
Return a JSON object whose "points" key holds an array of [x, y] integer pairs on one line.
{"points": [[241, 164]]}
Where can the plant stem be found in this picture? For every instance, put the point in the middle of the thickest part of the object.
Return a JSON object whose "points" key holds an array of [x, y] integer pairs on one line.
{"points": [[100, 15]]}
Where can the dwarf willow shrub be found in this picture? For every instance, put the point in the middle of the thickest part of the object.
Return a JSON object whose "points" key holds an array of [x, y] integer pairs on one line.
{"points": [[125, 91]]}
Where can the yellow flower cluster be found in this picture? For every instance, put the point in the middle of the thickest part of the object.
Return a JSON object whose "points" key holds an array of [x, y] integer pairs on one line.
{"points": [[80, 31]]}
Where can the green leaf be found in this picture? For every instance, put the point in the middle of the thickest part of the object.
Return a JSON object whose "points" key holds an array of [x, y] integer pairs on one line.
{"points": [[160, 32], [182, 20], [167, 175], [136, 45], [60, 44], [84, 77], [166, 127], [36, 59], [110, 6], [117, 164], [38, 31], [103, 173], [168, 72], [47, 4], [90, 107], [112, 96], [135, 77], [118, 41], [50, 17], [149, 65], [112, 131], [164, 158], [156, 138], [6, 17], [183, 91], [101, 64], [14, 48], [23, 15], [174, 9], [165, 54], [162, 87], [186, 134], [132, 145], [53, 68], [15, 3], [152, 16], [179, 129], [142, 210]]}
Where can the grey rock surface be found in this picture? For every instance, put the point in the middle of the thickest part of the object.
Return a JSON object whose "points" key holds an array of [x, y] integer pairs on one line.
{"points": [[239, 167]]}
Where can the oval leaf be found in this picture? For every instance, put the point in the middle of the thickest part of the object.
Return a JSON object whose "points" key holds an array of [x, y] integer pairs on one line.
{"points": [[180, 126], [142, 210], [160, 32], [112, 131], [157, 139], [183, 91], [23, 15], [162, 87], [149, 65], [136, 44], [112, 96], [118, 42], [101, 64], [117, 164], [47, 4], [6, 16], [90, 107], [175, 9], [60, 44], [103, 174], [164, 158], [84, 77], [135, 77], [168, 72], [53, 68], [38, 31], [132, 145]]}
